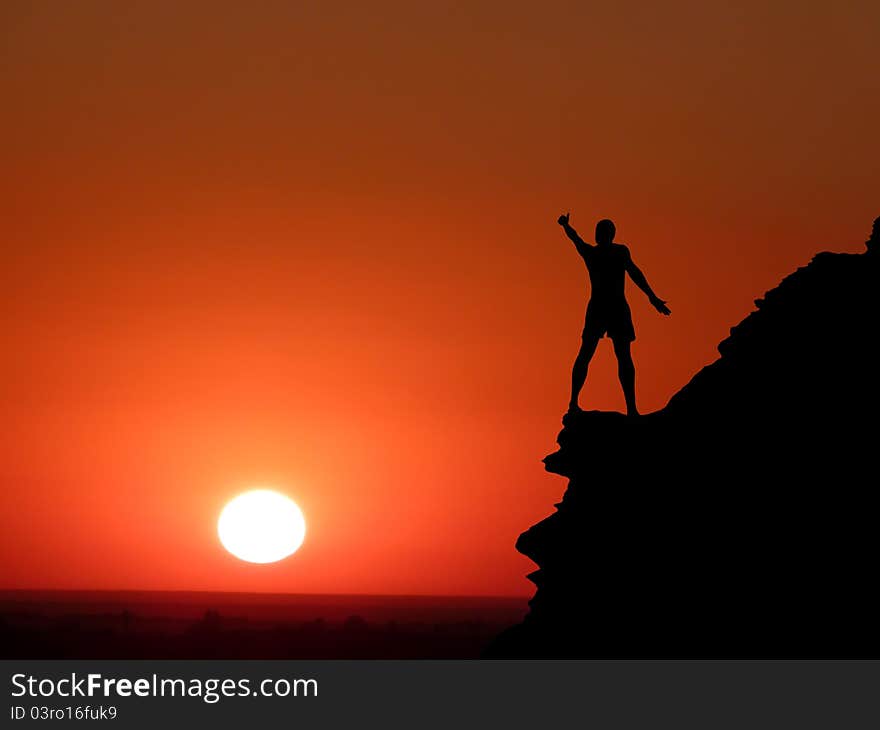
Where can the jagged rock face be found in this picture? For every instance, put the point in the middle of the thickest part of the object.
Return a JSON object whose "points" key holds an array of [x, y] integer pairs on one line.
{"points": [[741, 520], [873, 243]]}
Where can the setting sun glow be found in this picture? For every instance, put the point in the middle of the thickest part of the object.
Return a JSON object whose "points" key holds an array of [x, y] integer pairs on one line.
{"points": [[261, 526]]}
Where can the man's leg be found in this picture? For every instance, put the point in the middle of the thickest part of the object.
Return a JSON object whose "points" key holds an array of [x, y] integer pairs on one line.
{"points": [[581, 364], [626, 371]]}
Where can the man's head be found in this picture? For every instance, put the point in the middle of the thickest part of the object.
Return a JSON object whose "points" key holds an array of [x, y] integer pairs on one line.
{"points": [[605, 231]]}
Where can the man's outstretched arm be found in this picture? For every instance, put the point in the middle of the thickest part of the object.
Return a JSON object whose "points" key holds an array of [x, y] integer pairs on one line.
{"points": [[580, 244], [641, 282]]}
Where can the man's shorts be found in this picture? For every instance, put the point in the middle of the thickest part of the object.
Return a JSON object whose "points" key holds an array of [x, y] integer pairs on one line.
{"points": [[614, 321]]}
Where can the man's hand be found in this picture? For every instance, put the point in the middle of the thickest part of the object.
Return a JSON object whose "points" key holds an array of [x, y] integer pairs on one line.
{"points": [[563, 219], [660, 306]]}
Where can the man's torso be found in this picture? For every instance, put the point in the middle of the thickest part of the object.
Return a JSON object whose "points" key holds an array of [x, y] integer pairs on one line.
{"points": [[607, 268]]}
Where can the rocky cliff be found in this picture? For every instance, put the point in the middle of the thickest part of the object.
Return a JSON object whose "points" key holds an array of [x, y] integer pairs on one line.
{"points": [[740, 520]]}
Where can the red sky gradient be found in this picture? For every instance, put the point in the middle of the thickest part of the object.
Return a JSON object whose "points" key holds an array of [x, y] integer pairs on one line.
{"points": [[313, 246]]}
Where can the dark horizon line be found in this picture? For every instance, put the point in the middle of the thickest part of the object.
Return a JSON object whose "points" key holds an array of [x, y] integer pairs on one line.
{"points": [[135, 591]]}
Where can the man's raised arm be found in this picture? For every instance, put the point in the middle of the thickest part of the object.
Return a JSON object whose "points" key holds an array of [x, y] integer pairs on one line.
{"points": [[580, 244], [641, 282]]}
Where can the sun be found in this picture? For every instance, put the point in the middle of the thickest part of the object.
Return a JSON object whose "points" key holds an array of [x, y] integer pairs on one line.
{"points": [[261, 526]]}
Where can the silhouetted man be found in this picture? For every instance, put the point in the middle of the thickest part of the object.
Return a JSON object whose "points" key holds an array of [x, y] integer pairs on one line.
{"points": [[608, 313]]}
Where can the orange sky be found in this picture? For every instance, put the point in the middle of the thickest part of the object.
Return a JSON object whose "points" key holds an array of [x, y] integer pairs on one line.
{"points": [[313, 245]]}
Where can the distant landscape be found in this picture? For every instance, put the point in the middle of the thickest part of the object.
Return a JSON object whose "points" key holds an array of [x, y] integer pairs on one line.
{"points": [[191, 625]]}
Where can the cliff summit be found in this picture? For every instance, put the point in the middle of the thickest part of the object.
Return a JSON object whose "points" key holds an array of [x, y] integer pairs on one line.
{"points": [[741, 519]]}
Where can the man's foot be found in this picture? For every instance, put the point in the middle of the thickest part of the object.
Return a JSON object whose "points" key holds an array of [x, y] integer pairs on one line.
{"points": [[574, 408], [632, 413]]}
